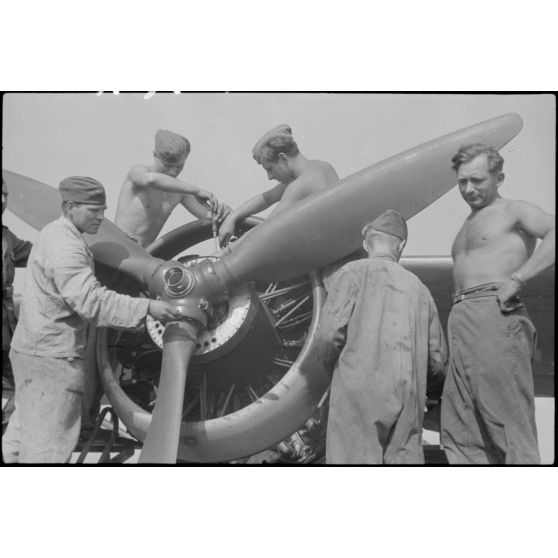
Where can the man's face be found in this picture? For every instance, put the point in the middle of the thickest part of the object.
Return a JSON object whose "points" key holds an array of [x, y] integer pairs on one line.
{"points": [[171, 168], [86, 217], [279, 169], [478, 186], [4, 197]]}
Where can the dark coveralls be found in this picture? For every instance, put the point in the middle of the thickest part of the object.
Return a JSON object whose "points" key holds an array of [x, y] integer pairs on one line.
{"points": [[15, 253], [488, 404], [381, 336]]}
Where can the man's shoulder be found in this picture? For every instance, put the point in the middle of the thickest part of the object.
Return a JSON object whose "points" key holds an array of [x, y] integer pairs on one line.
{"points": [[59, 231], [7, 233], [365, 266], [508, 205], [356, 265], [139, 167], [508, 211], [134, 171], [316, 175], [51, 227], [396, 270], [380, 269], [316, 167], [520, 206], [350, 270]]}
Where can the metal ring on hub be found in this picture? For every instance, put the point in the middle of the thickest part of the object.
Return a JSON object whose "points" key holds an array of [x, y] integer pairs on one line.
{"points": [[234, 312]]}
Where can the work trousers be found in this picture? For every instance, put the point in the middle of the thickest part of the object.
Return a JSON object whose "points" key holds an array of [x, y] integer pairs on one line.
{"points": [[48, 403], [93, 391], [488, 403]]}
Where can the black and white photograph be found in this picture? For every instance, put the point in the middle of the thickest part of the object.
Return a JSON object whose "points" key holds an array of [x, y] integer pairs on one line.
{"points": [[278, 278], [244, 278]]}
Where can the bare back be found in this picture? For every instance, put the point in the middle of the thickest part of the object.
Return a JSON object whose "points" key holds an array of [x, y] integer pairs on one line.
{"points": [[490, 246], [317, 175], [143, 211]]}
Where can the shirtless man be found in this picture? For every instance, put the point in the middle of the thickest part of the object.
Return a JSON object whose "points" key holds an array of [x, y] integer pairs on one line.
{"points": [[299, 177], [151, 192], [488, 411]]}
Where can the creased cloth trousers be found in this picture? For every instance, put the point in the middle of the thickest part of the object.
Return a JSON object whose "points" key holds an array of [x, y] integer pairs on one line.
{"points": [[488, 403]]}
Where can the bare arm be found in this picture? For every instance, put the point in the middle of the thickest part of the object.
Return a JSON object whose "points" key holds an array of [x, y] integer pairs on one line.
{"points": [[141, 176], [534, 221], [201, 211], [250, 207], [259, 202]]}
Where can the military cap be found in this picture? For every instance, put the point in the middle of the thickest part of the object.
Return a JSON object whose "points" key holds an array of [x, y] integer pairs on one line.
{"points": [[281, 131], [82, 189], [390, 222], [171, 147]]}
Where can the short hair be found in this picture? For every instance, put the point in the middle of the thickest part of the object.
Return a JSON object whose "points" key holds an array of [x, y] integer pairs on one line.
{"points": [[467, 153], [369, 234], [272, 147]]}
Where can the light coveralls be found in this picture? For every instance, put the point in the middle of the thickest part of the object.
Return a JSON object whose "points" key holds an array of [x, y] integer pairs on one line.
{"points": [[61, 296], [381, 335]]}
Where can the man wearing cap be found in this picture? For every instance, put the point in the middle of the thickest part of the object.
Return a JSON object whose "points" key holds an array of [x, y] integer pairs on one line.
{"points": [[381, 336], [277, 152], [15, 253], [488, 405], [61, 297], [151, 192]]}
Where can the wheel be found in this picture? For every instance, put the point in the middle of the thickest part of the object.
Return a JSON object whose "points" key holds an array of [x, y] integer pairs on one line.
{"points": [[251, 383]]}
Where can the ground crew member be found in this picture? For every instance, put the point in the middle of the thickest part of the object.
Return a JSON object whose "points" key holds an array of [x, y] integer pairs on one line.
{"points": [[151, 192], [488, 405], [61, 297], [380, 335], [14, 254], [147, 197], [277, 152]]}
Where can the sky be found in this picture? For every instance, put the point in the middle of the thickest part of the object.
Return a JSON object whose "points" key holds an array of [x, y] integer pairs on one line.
{"points": [[51, 136]]}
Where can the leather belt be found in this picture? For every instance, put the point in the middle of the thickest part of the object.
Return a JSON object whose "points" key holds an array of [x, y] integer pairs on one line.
{"points": [[481, 291]]}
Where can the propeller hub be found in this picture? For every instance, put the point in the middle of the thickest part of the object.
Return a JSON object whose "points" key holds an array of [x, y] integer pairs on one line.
{"points": [[178, 281]]}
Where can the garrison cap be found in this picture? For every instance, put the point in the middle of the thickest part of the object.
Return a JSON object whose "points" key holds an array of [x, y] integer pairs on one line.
{"points": [[82, 189], [389, 222], [281, 131], [171, 147]]}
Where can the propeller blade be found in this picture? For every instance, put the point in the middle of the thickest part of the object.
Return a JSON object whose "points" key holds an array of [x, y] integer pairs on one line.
{"points": [[37, 204], [326, 226], [161, 442], [112, 247]]}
